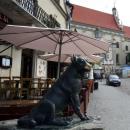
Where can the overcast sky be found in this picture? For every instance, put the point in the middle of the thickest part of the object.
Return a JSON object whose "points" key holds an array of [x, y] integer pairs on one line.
{"points": [[123, 7]]}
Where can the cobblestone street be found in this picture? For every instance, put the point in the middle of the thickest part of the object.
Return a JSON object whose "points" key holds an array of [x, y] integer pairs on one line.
{"points": [[112, 104]]}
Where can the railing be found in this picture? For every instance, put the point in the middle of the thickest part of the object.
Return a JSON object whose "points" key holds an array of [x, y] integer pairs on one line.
{"points": [[23, 88], [17, 91], [32, 7]]}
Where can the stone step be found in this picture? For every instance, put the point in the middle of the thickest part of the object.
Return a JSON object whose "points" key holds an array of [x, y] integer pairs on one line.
{"points": [[93, 124]]}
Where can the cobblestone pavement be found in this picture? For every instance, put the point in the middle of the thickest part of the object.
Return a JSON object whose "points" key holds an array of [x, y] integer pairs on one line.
{"points": [[112, 104]]}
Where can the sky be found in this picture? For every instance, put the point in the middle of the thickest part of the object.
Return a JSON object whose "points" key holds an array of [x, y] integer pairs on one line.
{"points": [[122, 6]]}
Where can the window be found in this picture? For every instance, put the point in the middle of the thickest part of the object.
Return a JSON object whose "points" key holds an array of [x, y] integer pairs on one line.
{"points": [[126, 48], [117, 45], [98, 33], [117, 58], [128, 58]]}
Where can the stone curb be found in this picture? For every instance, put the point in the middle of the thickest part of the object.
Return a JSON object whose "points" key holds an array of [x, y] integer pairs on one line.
{"points": [[92, 125]]}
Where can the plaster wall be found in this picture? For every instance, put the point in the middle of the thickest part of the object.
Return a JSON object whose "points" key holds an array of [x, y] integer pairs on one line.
{"points": [[51, 9], [16, 61]]}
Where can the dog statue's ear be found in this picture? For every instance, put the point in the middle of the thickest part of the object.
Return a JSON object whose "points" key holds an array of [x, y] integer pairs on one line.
{"points": [[73, 59]]}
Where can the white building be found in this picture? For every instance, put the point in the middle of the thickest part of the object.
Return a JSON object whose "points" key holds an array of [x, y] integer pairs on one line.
{"points": [[106, 27], [44, 13]]}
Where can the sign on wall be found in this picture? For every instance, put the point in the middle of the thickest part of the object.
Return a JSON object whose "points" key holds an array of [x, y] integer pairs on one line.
{"points": [[41, 68]]}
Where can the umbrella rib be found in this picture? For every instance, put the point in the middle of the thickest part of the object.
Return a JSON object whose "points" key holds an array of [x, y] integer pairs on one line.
{"points": [[33, 40], [79, 47], [82, 51], [91, 42], [53, 36], [70, 39], [73, 41], [54, 41], [59, 41], [32, 32]]}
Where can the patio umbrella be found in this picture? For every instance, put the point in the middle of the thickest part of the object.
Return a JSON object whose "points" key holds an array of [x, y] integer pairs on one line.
{"points": [[58, 41], [66, 58]]}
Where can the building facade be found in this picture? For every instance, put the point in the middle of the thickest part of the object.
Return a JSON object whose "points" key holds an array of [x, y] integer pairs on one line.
{"points": [[105, 27], [40, 13]]}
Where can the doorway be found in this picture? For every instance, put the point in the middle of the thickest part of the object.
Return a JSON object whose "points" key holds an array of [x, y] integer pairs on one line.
{"points": [[27, 63]]}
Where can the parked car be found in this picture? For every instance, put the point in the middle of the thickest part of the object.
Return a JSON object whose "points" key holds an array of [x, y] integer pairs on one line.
{"points": [[113, 80]]}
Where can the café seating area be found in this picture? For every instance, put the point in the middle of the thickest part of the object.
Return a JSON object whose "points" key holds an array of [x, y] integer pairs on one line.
{"points": [[19, 95], [23, 88]]}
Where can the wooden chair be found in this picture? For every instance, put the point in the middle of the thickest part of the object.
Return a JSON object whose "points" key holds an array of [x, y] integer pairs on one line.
{"points": [[3, 87], [2, 79], [17, 81], [34, 88], [43, 87], [26, 84]]}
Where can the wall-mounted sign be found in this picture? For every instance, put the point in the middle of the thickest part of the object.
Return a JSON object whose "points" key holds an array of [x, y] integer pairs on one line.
{"points": [[5, 61], [41, 68]]}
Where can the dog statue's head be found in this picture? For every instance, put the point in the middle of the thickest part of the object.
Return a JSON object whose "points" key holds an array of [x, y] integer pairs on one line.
{"points": [[81, 63]]}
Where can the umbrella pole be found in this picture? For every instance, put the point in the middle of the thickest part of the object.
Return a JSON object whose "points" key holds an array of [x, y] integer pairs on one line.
{"points": [[59, 58]]}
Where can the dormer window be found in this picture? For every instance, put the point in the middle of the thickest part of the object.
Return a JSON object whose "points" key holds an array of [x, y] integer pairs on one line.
{"points": [[98, 33]]}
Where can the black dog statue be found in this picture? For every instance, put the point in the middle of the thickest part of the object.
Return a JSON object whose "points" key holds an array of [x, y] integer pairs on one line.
{"points": [[64, 91]]}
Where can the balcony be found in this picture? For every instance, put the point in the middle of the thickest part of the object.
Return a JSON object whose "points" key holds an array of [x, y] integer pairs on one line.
{"points": [[26, 12]]}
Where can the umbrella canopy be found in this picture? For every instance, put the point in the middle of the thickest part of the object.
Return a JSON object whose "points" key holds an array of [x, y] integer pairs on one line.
{"points": [[58, 41], [66, 58]]}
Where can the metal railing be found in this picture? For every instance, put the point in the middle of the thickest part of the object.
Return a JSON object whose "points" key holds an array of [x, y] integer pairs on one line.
{"points": [[38, 13]]}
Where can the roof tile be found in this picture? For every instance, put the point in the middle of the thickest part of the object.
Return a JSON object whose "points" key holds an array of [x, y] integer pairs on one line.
{"points": [[93, 17], [126, 31]]}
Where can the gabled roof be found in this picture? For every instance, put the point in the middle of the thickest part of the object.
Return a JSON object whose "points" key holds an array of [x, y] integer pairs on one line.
{"points": [[126, 31], [93, 17]]}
